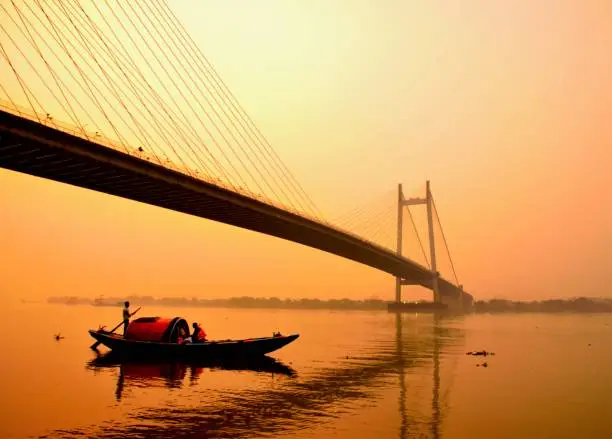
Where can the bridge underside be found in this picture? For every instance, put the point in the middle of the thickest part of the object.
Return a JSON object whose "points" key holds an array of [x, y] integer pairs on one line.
{"points": [[35, 149]]}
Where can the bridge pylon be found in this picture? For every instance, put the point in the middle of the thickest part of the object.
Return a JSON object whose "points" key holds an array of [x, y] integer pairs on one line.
{"points": [[404, 202]]}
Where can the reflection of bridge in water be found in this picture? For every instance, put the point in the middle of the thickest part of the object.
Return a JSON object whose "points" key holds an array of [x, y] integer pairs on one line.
{"points": [[436, 418], [299, 403]]}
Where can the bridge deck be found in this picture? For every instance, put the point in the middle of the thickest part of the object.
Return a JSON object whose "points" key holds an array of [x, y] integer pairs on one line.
{"points": [[36, 149]]}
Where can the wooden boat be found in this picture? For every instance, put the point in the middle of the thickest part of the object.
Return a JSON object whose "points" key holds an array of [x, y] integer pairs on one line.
{"points": [[157, 336]]}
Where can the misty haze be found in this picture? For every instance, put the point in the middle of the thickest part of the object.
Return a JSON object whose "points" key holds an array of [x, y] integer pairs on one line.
{"points": [[344, 219]]}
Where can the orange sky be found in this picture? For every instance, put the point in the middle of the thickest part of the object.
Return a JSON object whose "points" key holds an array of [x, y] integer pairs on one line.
{"points": [[504, 106]]}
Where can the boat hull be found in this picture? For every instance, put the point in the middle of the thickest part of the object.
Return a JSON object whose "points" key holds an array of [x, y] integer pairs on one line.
{"points": [[254, 347]]}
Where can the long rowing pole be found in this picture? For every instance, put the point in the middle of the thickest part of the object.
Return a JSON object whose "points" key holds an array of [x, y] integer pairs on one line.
{"points": [[97, 343]]}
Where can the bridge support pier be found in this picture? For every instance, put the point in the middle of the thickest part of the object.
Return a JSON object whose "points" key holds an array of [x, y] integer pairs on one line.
{"points": [[432, 246], [400, 211], [428, 201]]}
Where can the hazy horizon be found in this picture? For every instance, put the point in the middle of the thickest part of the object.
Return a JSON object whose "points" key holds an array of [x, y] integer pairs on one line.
{"points": [[503, 106]]}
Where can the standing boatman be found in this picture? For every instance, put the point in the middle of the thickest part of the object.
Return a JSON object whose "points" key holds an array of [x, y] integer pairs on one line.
{"points": [[126, 316]]}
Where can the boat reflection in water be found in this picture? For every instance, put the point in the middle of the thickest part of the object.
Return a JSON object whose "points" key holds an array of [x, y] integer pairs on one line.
{"points": [[171, 373]]}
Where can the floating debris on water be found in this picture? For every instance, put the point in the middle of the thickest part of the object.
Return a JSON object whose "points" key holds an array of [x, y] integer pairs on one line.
{"points": [[482, 353]]}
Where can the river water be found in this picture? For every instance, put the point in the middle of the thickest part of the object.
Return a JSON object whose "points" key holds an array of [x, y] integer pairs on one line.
{"points": [[351, 374]]}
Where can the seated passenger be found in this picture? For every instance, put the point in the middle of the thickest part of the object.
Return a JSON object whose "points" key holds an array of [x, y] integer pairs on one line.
{"points": [[182, 336], [198, 336]]}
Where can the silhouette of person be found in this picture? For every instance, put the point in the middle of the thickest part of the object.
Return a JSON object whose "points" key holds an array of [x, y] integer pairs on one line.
{"points": [[198, 336], [126, 316]]}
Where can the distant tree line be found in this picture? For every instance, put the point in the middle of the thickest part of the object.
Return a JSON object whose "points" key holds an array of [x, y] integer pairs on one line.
{"points": [[234, 302], [581, 304]]}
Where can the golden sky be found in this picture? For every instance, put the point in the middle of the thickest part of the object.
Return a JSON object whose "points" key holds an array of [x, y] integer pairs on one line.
{"points": [[504, 106]]}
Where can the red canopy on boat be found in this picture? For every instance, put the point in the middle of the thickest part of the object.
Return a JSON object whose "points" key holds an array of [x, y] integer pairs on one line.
{"points": [[158, 329]]}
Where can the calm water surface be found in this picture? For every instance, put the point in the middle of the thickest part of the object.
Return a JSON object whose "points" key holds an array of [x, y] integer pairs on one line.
{"points": [[350, 375]]}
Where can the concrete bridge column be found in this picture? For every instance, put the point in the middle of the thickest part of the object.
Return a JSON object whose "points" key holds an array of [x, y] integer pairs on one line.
{"points": [[428, 201], [400, 211], [432, 246]]}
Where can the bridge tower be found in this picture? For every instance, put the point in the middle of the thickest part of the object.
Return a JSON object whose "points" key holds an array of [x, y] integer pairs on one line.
{"points": [[401, 203]]}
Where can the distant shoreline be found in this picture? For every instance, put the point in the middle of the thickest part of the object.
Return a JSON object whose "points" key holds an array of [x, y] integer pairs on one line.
{"points": [[494, 306]]}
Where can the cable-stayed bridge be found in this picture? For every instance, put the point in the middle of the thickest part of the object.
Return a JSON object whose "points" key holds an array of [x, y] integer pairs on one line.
{"points": [[115, 96]]}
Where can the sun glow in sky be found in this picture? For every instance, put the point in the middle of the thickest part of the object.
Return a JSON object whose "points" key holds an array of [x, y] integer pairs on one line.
{"points": [[504, 106]]}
